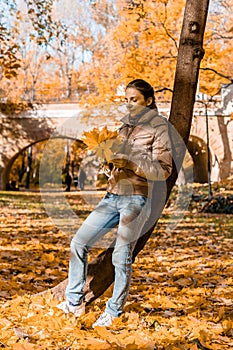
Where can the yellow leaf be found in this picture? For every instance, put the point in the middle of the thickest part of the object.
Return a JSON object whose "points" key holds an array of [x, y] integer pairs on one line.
{"points": [[95, 344], [103, 134], [108, 336], [227, 326], [48, 257], [24, 346], [194, 347], [96, 137], [88, 319], [91, 138]]}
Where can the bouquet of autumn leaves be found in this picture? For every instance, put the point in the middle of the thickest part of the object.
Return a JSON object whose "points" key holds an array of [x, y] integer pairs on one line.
{"points": [[105, 143]]}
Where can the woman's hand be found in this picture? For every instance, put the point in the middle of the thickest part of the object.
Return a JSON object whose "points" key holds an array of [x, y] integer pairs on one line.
{"points": [[119, 160], [119, 163]]}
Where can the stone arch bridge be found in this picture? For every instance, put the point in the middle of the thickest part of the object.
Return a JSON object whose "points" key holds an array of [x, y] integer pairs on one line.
{"points": [[63, 120]]}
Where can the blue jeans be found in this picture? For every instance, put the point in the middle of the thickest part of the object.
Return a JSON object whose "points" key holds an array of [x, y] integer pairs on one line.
{"points": [[130, 214]]}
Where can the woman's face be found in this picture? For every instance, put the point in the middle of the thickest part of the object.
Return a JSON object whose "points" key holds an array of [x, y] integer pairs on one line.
{"points": [[135, 101]]}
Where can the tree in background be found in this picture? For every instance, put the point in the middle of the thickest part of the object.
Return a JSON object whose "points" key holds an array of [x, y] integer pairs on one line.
{"points": [[91, 48], [143, 43], [217, 66], [71, 44], [49, 46], [9, 58]]}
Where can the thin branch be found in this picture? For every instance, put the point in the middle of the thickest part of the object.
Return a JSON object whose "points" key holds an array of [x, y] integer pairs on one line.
{"points": [[166, 58], [218, 36], [218, 73], [163, 23], [163, 89]]}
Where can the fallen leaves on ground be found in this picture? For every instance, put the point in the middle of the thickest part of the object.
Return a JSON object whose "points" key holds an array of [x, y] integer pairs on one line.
{"points": [[181, 295]]}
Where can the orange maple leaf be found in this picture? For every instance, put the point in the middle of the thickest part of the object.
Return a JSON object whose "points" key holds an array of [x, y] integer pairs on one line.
{"points": [[103, 141]]}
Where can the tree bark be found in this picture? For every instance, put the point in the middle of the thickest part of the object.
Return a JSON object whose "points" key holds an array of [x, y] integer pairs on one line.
{"points": [[100, 271], [225, 164]]}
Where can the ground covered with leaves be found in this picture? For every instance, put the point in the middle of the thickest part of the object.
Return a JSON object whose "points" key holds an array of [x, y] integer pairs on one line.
{"points": [[181, 296]]}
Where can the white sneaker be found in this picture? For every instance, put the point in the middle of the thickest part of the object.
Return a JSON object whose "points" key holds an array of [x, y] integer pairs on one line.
{"points": [[77, 310], [105, 320]]}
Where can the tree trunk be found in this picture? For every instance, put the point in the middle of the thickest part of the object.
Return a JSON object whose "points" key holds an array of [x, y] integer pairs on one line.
{"points": [[100, 270], [225, 164]]}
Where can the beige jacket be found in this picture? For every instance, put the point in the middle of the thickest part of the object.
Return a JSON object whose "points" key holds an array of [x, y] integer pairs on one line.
{"points": [[147, 149]]}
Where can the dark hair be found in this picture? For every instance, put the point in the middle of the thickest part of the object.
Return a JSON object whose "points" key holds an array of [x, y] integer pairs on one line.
{"points": [[145, 89]]}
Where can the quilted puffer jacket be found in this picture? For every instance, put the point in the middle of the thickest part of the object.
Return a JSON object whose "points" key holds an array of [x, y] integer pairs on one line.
{"points": [[147, 148]]}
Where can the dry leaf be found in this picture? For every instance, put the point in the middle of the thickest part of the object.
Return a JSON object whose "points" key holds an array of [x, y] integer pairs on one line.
{"points": [[103, 141], [159, 312]]}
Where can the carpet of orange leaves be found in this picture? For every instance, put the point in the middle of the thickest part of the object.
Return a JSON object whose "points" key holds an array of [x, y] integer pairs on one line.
{"points": [[181, 296]]}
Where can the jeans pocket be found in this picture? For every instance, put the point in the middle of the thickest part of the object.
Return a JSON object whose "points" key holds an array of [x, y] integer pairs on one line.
{"points": [[107, 195], [140, 200], [145, 205]]}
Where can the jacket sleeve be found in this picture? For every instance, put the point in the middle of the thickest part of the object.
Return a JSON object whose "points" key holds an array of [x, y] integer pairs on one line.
{"points": [[155, 165]]}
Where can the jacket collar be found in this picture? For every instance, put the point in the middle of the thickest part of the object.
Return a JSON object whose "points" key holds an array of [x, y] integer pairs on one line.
{"points": [[144, 117]]}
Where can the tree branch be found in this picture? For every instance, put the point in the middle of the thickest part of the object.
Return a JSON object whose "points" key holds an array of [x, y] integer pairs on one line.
{"points": [[164, 89], [163, 23], [218, 73]]}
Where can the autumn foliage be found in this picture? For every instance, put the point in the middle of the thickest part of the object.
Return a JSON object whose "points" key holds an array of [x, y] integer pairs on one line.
{"points": [[67, 51]]}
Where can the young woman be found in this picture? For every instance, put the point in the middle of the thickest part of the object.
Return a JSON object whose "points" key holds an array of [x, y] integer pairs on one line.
{"points": [[146, 158]]}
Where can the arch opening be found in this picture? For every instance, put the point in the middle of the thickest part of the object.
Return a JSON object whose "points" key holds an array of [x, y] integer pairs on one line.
{"points": [[14, 173], [197, 149]]}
